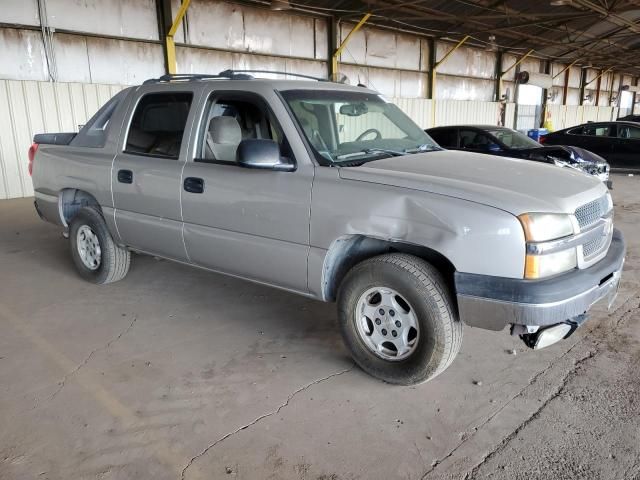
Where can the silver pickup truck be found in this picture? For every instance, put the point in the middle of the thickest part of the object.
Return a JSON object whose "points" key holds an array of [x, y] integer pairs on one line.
{"points": [[331, 192]]}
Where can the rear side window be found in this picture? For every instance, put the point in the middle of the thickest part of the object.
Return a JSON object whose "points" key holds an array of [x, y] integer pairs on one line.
{"points": [[627, 131], [158, 123], [445, 138], [596, 130], [94, 133]]}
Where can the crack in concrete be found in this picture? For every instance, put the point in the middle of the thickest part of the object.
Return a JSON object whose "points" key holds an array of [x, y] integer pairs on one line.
{"points": [[503, 443], [86, 360], [261, 417], [466, 437], [620, 319]]}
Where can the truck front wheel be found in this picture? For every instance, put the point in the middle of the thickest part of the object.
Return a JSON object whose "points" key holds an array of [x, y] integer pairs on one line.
{"points": [[97, 257], [398, 320]]}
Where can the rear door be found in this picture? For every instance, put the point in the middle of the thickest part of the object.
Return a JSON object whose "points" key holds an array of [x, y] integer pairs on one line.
{"points": [[627, 148], [241, 221], [147, 170]]}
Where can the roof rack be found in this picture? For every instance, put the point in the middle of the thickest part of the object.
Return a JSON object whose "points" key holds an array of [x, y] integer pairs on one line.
{"points": [[226, 75], [299, 75]]}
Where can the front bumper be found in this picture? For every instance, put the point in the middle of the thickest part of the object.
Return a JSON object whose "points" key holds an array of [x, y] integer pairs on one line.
{"points": [[495, 302]]}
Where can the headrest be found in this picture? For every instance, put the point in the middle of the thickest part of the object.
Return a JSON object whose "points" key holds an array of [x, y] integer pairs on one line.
{"points": [[225, 130], [167, 117]]}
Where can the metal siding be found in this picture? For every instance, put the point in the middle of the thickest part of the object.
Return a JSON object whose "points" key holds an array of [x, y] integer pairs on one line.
{"points": [[22, 12], [124, 18], [466, 61], [454, 112], [463, 88], [22, 55], [29, 107], [418, 109]]}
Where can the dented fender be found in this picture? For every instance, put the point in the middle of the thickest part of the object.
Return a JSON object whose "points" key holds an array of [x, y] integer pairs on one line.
{"points": [[349, 217]]}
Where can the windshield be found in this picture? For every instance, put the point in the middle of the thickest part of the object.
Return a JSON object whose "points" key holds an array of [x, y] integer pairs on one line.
{"points": [[513, 138], [347, 126]]}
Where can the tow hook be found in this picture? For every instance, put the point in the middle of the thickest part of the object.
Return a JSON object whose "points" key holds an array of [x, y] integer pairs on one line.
{"points": [[538, 338]]}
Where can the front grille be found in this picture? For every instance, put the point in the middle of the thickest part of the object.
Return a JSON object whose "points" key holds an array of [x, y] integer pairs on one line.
{"points": [[593, 247], [591, 212]]}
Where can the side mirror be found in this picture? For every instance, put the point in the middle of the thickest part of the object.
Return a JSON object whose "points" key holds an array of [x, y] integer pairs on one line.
{"points": [[262, 154]]}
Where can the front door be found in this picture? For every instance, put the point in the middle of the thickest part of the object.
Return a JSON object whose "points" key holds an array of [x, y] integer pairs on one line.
{"points": [[146, 173], [241, 221], [596, 137]]}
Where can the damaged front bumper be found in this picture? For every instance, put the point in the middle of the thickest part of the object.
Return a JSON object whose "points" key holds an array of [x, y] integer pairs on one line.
{"points": [[495, 302]]}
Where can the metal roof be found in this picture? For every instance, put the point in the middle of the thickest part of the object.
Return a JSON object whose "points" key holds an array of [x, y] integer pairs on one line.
{"points": [[597, 33]]}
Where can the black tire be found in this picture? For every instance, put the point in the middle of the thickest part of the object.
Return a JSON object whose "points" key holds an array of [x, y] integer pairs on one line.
{"points": [[115, 260], [424, 289]]}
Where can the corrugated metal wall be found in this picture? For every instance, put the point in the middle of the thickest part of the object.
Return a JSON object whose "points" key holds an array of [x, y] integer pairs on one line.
{"points": [[28, 107]]}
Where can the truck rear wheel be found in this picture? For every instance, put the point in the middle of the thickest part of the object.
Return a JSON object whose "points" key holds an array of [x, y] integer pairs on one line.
{"points": [[398, 320], [97, 257]]}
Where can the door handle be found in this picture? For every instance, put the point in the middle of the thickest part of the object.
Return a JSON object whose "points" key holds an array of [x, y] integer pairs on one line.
{"points": [[194, 185], [125, 176]]}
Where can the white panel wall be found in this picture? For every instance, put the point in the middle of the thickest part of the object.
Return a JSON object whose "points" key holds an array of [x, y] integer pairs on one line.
{"points": [[22, 55], [565, 116], [427, 113], [22, 12], [27, 108], [122, 18]]}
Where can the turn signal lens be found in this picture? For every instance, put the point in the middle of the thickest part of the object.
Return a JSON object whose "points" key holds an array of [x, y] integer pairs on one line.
{"points": [[541, 266]]}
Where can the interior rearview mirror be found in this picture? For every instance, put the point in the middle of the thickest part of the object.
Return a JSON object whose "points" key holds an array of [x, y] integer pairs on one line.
{"points": [[262, 154], [354, 109]]}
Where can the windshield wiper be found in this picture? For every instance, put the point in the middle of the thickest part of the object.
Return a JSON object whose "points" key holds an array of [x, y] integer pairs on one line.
{"points": [[426, 147], [369, 151]]}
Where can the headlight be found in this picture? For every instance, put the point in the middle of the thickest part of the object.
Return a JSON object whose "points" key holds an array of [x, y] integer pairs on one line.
{"points": [[540, 227], [546, 227]]}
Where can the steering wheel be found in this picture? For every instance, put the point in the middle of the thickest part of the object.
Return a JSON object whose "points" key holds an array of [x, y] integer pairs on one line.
{"points": [[367, 132]]}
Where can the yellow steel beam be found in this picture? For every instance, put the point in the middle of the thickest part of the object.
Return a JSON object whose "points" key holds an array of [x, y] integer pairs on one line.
{"points": [[171, 46], [565, 68], [450, 52], [598, 76], [522, 59], [433, 75], [336, 54]]}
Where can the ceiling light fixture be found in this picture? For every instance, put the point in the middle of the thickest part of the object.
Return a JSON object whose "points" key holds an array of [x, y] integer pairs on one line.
{"points": [[280, 5]]}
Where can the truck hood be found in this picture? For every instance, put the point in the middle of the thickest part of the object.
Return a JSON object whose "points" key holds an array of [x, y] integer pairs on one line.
{"points": [[516, 186]]}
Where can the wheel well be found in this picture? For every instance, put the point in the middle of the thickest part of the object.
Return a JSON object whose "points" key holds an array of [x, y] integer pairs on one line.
{"points": [[348, 251], [72, 200]]}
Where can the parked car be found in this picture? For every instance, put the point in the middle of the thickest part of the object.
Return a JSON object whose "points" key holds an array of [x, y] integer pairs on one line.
{"points": [[630, 118], [507, 142], [331, 192], [617, 142]]}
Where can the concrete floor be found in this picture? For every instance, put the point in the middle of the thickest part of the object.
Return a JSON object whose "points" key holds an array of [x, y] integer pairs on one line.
{"points": [[178, 373]]}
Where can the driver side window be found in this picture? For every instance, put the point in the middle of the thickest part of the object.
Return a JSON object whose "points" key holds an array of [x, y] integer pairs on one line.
{"points": [[472, 140], [232, 118]]}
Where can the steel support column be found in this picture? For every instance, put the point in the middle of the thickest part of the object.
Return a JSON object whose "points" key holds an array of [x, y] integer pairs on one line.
{"points": [[169, 43]]}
